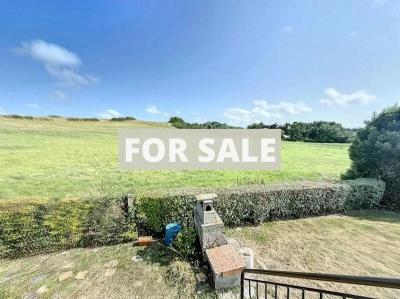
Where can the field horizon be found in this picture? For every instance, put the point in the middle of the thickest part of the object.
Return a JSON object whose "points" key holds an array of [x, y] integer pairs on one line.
{"points": [[54, 157]]}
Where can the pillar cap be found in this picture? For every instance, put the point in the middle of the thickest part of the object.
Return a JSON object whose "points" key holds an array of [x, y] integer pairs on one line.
{"points": [[207, 196]]}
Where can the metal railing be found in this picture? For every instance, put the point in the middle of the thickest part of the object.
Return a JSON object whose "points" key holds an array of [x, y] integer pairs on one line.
{"points": [[271, 289]]}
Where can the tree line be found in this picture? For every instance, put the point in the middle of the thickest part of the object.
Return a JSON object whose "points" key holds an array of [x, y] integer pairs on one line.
{"points": [[317, 131]]}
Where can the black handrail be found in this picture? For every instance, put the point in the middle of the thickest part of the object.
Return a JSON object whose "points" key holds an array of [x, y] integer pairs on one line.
{"points": [[384, 282]]}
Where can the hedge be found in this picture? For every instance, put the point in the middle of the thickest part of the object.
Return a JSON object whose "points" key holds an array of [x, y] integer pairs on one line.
{"points": [[255, 204], [43, 225]]}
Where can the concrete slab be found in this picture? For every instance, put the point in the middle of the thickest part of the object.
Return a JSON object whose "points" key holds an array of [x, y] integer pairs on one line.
{"points": [[226, 265]]}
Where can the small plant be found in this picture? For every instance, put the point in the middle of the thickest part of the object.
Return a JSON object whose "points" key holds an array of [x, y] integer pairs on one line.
{"points": [[185, 243]]}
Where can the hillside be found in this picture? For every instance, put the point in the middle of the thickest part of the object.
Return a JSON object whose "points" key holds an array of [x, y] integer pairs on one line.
{"points": [[54, 157]]}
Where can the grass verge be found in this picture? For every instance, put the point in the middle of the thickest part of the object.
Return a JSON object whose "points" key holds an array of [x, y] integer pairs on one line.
{"points": [[361, 243]]}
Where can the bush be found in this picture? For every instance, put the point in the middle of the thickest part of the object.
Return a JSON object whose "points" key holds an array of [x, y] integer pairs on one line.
{"points": [[179, 123], [122, 118], [254, 204], [185, 242], [17, 116], [317, 131], [43, 225], [36, 226], [82, 119], [376, 153]]}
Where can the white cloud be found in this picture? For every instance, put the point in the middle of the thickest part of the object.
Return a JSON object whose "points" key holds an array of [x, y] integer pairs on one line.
{"points": [[152, 109], [262, 111], [49, 54], [287, 29], [59, 62], [336, 98], [60, 95], [70, 77], [32, 105], [110, 113]]}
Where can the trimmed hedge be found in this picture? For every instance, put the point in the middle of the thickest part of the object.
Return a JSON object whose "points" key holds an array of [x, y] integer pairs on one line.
{"points": [[35, 226], [255, 204]]}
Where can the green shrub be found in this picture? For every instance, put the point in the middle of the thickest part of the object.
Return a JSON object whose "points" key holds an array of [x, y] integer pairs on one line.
{"points": [[254, 204], [82, 119], [376, 153], [185, 242], [17, 116], [43, 225], [35, 226], [122, 118]]}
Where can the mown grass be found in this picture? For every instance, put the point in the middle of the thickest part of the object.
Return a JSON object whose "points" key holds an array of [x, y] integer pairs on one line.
{"points": [[39, 276], [59, 158], [362, 243]]}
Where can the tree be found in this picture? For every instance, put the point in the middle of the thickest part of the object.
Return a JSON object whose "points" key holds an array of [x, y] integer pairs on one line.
{"points": [[177, 122], [375, 152]]}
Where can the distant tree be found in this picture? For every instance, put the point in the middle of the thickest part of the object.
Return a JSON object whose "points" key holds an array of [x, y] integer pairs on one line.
{"points": [[177, 122], [319, 131], [122, 118]]}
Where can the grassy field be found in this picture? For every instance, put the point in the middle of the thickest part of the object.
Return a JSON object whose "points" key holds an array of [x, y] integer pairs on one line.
{"points": [[362, 243], [59, 158]]}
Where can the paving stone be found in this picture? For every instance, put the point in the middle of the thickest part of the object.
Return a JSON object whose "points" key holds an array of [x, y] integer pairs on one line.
{"points": [[81, 275], [137, 258], [65, 275], [201, 277], [110, 272], [42, 289]]}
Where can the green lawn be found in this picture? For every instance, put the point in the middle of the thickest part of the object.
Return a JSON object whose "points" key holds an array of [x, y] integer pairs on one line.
{"points": [[362, 243], [59, 158]]}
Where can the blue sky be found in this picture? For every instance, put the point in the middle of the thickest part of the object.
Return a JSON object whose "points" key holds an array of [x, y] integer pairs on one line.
{"points": [[231, 61]]}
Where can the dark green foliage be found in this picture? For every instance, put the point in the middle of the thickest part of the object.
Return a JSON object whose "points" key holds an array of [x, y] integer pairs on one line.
{"points": [[185, 242], [17, 116], [122, 118], [318, 131], [82, 119], [254, 204], [36, 226], [376, 153], [179, 123]]}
